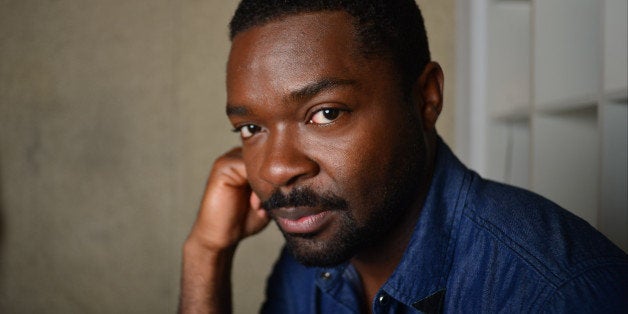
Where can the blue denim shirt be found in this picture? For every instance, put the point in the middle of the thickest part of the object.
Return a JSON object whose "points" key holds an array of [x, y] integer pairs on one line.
{"points": [[478, 247]]}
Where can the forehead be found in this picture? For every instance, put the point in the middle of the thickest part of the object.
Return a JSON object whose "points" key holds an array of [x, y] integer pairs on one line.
{"points": [[293, 51]]}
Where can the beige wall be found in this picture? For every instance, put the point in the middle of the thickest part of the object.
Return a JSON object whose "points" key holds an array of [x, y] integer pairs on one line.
{"points": [[440, 22], [110, 116]]}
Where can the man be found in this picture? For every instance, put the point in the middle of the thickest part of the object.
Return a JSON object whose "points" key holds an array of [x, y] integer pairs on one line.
{"points": [[336, 104]]}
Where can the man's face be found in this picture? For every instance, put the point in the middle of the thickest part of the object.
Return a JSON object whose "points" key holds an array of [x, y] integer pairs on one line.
{"points": [[326, 132]]}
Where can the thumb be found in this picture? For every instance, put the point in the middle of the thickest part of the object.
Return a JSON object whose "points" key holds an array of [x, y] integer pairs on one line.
{"points": [[257, 217]]}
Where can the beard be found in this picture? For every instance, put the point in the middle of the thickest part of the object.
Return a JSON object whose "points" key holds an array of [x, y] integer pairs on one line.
{"points": [[392, 198]]}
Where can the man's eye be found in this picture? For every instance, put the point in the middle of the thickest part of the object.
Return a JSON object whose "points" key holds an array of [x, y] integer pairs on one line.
{"points": [[325, 116], [248, 130]]}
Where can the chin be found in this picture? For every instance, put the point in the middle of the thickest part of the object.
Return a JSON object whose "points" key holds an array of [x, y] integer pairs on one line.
{"points": [[313, 252]]}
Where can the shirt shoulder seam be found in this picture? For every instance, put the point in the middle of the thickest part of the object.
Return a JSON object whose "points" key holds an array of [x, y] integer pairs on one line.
{"points": [[523, 254]]}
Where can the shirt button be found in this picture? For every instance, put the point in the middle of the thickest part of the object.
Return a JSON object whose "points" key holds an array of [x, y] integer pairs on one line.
{"points": [[383, 299], [326, 275]]}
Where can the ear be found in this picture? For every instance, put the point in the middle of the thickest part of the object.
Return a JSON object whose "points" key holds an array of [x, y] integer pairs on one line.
{"points": [[428, 91]]}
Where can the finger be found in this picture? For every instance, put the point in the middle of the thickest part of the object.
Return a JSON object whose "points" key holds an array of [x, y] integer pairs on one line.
{"points": [[223, 216], [234, 152], [227, 184], [228, 181], [256, 203], [256, 221]]}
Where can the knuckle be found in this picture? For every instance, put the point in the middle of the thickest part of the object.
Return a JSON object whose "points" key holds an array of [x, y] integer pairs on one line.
{"points": [[225, 161], [229, 157]]}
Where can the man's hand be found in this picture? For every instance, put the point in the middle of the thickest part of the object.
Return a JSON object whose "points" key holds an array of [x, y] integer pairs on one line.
{"points": [[229, 213], [229, 210]]}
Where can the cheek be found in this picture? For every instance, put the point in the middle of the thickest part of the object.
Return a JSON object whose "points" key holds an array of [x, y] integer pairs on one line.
{"points": [[358, 163], [252, 163]]}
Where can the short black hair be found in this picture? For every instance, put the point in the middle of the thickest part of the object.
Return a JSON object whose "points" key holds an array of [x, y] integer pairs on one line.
{"points": [[385, 28]]}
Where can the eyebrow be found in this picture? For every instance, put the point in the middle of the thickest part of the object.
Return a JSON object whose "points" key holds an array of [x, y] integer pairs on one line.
{"points": [[299, 95], [233, 110], [319, 86]]}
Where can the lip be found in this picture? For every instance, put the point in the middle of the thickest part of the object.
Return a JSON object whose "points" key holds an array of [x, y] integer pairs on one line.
{"points": [[301, 220]]}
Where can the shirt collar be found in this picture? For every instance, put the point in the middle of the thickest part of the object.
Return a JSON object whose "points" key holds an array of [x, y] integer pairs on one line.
{"points": [[423, 270], [425, 265]]}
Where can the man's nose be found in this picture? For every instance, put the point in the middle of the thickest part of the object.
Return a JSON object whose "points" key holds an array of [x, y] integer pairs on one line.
{"points": [[284, 161]]}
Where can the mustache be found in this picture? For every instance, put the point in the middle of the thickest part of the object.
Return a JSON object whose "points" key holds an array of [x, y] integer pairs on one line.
{"points": [[304, 197]]}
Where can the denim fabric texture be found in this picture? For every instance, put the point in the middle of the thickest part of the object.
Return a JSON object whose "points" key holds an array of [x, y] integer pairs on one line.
{"points": [[478, 247]]}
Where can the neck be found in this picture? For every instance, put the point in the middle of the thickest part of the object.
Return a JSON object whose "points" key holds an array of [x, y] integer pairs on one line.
{"points": [[377, 263]]}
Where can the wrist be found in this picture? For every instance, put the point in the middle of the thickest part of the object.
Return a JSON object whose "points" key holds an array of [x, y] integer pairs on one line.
{"points": [[205, 278], [199, 249]]}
